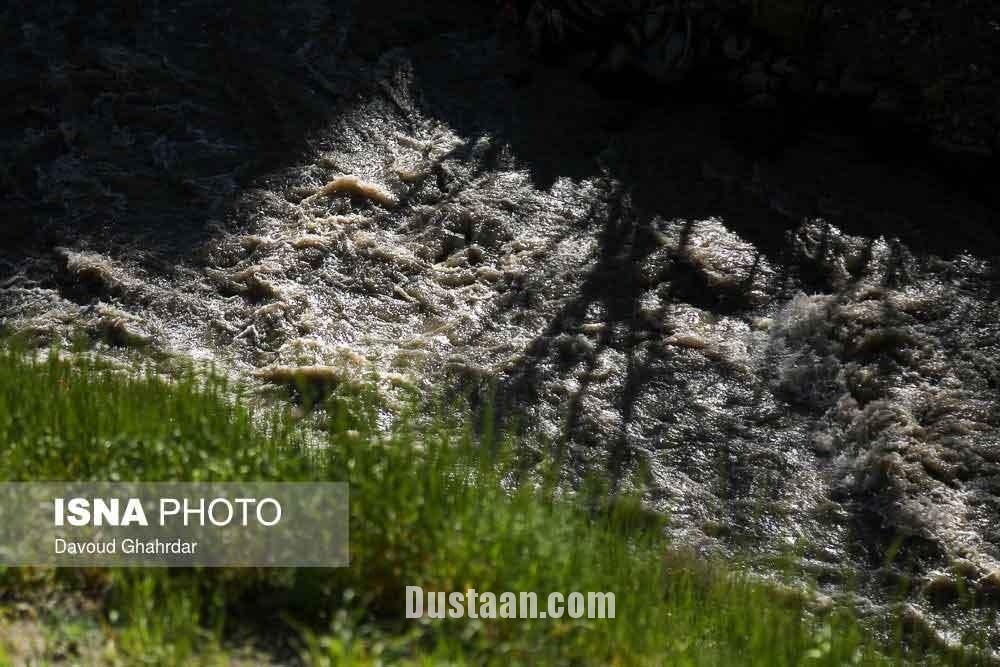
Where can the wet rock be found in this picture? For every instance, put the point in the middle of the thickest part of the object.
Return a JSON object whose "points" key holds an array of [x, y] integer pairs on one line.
{"points": [[354, 186], [823, 444], [964, 569], [942, 588], [988, 586], [90, 269], [118, 329], [309, 383], [311, 242]]}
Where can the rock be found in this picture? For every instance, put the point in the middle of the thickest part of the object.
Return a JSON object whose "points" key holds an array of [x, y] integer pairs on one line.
{"points": [[312, 382], [964, 568], [823, 444], [116, 328], [989, 585], [88, 267], [354, 186], [941, 588]]}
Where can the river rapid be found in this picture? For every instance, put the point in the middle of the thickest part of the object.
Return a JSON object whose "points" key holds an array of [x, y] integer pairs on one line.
{"points": [[802, 352]]}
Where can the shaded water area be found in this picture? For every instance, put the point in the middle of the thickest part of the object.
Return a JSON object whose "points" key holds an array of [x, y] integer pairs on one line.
{"points": [[802, 350]]}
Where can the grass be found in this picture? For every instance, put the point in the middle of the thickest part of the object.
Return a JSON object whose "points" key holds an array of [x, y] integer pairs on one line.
{"points": [[431, 505]]}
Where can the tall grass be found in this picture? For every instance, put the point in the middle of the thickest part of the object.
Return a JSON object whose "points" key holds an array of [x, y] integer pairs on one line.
{"points": [[431, 506]]}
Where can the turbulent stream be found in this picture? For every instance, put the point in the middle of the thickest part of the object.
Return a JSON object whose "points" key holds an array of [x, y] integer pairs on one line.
{"points": [[804, 353]]}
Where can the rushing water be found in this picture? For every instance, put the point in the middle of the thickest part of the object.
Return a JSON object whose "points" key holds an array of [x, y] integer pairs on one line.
{"points": [[803, 364]]}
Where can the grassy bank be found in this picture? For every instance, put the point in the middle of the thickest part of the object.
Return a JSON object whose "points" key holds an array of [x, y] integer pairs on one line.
{"points": [[427, 508]]}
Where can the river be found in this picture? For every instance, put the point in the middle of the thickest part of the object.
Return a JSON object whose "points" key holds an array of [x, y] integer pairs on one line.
{"points": [[801, 353]]}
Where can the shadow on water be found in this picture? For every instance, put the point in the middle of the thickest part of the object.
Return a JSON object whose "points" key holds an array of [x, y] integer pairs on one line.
{"points": [[660, 157]]}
